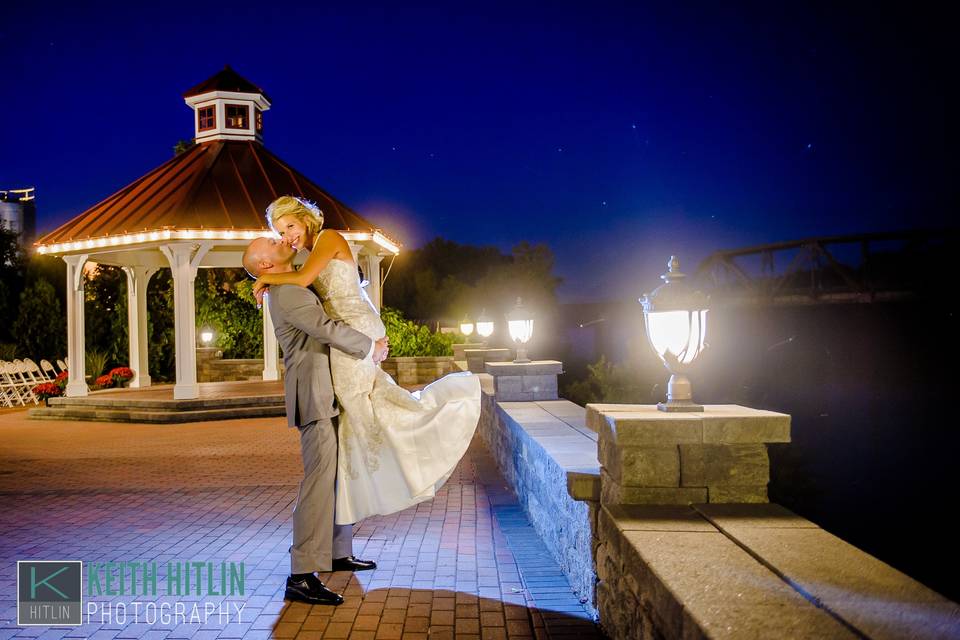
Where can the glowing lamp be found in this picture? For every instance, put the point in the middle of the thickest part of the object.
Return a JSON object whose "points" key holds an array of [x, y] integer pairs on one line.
{"points": [[206, 336], [520, 326], [484, 325], [676, 322], [466, 326]]}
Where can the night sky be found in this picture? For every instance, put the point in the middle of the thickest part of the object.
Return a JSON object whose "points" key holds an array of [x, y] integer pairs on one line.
{"points": [[617, 134]]}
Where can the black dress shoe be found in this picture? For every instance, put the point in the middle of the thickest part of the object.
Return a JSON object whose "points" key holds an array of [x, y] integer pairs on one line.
{"points": [[352, 564], [310, 590]]}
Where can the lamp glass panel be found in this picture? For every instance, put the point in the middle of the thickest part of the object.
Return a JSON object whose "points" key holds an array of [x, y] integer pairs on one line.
{"points": [[485, 329], [520, 330], [679, 332], [466, 328]]}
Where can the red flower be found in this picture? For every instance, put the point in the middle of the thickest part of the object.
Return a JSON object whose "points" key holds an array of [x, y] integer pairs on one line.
{"points": [[124, 373], [105, 380], [47, 390], [61, 376]]}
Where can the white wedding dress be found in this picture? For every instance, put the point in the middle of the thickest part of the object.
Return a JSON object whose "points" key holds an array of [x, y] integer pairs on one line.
{"points": [[396, 448]]}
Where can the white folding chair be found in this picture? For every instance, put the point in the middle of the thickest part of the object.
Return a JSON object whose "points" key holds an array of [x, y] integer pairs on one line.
{"points": [[8, 390], [48, 371], [62, 365], [31, 369], [25, 384], [9, 385]]}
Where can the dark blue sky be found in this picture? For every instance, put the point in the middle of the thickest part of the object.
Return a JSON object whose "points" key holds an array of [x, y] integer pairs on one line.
{"points": [[617, 134]]}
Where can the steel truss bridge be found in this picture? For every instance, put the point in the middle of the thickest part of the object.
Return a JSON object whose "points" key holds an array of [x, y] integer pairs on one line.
{"points": [[864, 268]]}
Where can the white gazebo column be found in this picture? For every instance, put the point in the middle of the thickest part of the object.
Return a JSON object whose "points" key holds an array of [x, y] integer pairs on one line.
{"points": [[76, 349], [271, 361], [371, 269], [137, 280], [184, 258]]}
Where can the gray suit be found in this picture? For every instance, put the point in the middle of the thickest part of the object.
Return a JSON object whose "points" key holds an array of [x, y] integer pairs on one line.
{"points": [[305, 334]]}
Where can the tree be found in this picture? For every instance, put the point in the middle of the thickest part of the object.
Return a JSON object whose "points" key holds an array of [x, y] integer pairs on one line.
{"points": [[105, 314], [40, 325], [444, 280], [12, 274], [225, 302]]}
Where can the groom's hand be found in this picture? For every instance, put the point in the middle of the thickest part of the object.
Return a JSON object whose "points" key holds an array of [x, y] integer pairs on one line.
{"points": [[380, 350]]}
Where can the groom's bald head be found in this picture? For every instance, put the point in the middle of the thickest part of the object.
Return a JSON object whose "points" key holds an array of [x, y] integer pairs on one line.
{"points": [[266, 255]]}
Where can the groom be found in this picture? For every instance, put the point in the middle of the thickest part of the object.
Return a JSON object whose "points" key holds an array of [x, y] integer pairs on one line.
{"points": [[305, 334]]}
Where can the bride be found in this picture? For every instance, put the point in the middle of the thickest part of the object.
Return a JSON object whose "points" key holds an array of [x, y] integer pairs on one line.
{"points": [[396, 448]]}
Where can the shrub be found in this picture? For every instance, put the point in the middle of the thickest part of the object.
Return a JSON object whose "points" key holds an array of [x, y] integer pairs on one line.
{"points": [[47, 390], [408, 338], [121, 374], [96, 362]]}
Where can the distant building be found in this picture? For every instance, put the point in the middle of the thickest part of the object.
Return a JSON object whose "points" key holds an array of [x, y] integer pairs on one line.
{"points": [[18, 212]]}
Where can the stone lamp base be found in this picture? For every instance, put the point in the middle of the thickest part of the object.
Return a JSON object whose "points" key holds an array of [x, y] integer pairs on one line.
{"points": [[525, 381]]}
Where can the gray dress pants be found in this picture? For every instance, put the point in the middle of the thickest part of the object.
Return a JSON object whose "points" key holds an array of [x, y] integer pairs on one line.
{"points": [[316, 539]]}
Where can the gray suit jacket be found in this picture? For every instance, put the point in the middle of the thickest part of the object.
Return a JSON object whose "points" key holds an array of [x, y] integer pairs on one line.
{"points": [[305, 334]]}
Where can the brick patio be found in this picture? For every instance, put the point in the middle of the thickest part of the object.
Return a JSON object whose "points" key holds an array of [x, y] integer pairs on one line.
{"points": [[466, 564]]}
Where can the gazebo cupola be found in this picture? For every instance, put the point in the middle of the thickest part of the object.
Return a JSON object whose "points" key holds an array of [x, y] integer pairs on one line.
{"points": [[227, 106], [197, 210]]}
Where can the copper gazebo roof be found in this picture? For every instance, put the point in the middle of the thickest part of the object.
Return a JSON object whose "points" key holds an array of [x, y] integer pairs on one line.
{"points": [[219, 186]]}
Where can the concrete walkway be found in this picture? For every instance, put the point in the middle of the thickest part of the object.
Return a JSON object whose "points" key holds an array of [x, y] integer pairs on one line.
{"points": [[466, 564]]}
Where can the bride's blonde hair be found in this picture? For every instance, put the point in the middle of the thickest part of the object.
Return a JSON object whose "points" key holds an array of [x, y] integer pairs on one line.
{"points": [[303, 210]]}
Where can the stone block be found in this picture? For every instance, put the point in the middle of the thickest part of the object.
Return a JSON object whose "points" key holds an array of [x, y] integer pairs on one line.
{"points": [[737, 493], [626, 429], [872, 596], [533, 368], [656, 517], [770, 515], [609, 457], [712, 464], [476, 358], [733, 424], [641, 466], [702, 585], [537, 382], [459, 348], [612, 492], [583, 486], [507, 385], [595, 411], [650, 466]]}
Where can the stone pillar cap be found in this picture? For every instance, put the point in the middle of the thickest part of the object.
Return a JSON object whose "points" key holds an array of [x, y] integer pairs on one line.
{"points": [[532, 368]]}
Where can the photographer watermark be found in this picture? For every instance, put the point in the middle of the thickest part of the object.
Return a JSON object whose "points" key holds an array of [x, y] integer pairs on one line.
{"points": [[51, 592]]}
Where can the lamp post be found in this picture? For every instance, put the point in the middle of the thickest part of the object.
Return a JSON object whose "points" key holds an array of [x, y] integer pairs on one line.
{"points": [[206, 336], [676, 317], [466, 326], [520, 325], [484, 325]]}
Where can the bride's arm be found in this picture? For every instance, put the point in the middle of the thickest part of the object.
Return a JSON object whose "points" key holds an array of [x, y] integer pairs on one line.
{"points": [[327, 246]]}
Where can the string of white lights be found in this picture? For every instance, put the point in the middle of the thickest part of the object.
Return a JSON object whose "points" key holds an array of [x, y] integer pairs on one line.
{"points": [[144, 237]]}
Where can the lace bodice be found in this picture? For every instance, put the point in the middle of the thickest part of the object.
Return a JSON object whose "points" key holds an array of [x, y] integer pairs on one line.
{"points": [[344, 299]]}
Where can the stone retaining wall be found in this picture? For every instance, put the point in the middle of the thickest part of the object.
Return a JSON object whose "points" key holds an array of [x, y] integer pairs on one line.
{"points": [[545, 453], [751, 571], [211, 367], [414, 370]]}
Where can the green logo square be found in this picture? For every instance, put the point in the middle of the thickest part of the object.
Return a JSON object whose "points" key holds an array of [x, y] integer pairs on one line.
{"points": [[49, 592]]}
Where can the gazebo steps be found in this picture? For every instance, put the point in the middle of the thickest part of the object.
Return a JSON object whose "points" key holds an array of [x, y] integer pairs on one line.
{"points": [[114, 408], [154, 416]]}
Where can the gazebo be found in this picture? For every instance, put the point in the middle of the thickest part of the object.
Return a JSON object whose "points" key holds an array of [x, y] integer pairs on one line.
{"points": [[197, 210]]}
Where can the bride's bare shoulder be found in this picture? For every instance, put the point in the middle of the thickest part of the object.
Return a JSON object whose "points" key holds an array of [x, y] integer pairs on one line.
{"points": [[337, 243]]}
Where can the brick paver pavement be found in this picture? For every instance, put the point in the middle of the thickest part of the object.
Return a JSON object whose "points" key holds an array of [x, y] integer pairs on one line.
{"points": [[465, 564]]}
